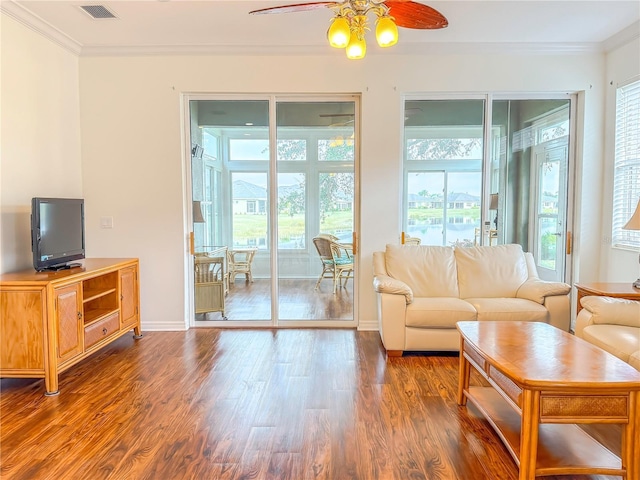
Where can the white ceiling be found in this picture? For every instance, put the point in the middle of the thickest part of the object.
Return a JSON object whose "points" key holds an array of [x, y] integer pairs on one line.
{"points": [[226, 27]]}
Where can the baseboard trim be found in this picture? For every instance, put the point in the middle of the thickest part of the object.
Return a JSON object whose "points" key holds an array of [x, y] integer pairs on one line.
{"points": [[163, 327], [368, 325]]}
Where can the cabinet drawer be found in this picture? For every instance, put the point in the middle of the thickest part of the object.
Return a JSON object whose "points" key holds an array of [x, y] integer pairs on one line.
{"points": [[102, 329]]}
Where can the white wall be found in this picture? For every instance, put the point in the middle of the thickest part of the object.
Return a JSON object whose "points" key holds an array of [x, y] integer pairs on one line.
{"points": [[618, 265], [132, 150], [40, 133]]}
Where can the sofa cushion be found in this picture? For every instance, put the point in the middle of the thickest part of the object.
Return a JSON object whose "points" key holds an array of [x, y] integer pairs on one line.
{"points": [[618, 340], [509, 309], [430, 271], [613, 311], [490, 272], [438, 312]]}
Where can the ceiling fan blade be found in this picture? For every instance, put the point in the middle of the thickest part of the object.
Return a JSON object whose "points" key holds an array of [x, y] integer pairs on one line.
{"points": [[299, 7], [410, 14]]}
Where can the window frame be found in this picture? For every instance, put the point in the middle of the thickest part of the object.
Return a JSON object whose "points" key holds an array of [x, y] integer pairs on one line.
{"points": [[626, 165]]}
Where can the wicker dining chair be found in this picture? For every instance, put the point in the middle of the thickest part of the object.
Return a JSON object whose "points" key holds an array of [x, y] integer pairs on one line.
{"points": [[337, 263]]}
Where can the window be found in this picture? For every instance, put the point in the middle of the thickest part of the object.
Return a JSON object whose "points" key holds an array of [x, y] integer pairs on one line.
{"points": [[443, 147], [626, 181]]}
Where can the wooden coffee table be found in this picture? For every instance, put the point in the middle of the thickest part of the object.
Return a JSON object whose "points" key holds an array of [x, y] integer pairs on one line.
{"points": [[544, 382]]}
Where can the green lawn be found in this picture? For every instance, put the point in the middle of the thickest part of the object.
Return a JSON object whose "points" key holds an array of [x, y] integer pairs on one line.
{"points": [[289, 227]]}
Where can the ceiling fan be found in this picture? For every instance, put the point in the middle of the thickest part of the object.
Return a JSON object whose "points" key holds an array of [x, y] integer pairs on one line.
{"points": [[350, 22]]}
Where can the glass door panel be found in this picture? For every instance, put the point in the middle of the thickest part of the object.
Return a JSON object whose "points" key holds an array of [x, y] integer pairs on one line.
{"points": [[529, 165], [550, 163], [443, 170], [315, 184], [229, 167]]}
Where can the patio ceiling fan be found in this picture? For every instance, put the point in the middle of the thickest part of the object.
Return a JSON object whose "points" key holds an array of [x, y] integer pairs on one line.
{"points": [[350, 22]]}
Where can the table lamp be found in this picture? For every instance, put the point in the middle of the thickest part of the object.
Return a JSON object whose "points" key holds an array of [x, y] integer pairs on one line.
{"points": [[634, 224]]}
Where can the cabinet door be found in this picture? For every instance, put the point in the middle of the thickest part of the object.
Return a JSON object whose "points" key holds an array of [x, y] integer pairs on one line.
{"points": [[68, 321], [129, 296]]}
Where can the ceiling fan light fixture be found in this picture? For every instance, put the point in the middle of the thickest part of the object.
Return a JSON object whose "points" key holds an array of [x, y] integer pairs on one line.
{"points": [[386, 31], [357, 48], [339, 32]]}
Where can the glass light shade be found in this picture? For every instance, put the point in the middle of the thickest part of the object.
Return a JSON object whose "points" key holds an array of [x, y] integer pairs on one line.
{"points": [[386, 32], [357, 48], [339, 33]]}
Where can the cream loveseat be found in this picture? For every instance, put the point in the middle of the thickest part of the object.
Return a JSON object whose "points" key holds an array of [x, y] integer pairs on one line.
{"points": [[422, 291], [612, 324]]}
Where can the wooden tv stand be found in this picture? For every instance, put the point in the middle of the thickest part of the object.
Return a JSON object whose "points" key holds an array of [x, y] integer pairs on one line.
{"points": [[51, 320]]}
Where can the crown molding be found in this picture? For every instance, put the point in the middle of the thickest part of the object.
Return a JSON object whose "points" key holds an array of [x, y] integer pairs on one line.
{"points": [[632, 32], [37, 24], [313, 50]]}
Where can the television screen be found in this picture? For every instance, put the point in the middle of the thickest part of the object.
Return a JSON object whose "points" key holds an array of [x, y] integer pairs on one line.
{"points": [[57, 232]]}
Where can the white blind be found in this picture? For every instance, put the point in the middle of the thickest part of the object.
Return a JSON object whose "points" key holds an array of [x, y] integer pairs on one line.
{"points": [[626, 183]]}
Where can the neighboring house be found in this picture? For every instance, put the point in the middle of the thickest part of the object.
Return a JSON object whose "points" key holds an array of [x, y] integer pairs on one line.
{"points": [[550, 202], [417, 201], [248, 198], [454, 200], [462, 200]]}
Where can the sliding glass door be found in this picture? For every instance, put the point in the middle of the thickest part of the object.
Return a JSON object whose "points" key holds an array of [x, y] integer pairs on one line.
{"points": [[471, 182], [268, 177], [315, 165], [530, 168]]}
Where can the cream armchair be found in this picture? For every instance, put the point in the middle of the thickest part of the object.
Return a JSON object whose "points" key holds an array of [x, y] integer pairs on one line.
{"points": [[612, 324]]}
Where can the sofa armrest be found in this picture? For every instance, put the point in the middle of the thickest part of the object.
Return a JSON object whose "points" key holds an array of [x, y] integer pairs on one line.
{"points": [[392, 313], [387, 284], [612, 311], [537, 290], [583, 320]]}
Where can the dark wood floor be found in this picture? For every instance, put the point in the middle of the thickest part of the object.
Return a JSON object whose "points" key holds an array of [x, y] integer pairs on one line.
{"points": [[249, 404], [298, 300]]}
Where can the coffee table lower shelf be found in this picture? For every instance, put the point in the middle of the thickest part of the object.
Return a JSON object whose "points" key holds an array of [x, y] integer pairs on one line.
{"points": [[563, 449]]}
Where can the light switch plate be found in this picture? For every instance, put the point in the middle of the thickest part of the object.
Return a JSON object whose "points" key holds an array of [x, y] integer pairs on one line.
{"points": [[106, 222]]}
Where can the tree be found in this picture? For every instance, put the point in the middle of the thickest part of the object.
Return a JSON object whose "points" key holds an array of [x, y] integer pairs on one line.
{"points": [[333, 188], [441, 148]]}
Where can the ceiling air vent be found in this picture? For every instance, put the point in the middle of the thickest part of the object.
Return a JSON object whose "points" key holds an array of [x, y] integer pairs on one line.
{"points": [[97, 11]]}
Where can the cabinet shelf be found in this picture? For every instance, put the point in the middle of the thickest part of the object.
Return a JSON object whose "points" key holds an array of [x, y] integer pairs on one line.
{"points": [[93, 316], [89, 294]]}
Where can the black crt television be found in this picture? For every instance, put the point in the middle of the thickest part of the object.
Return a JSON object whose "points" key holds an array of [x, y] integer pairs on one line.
{"points": [[57, 232]]}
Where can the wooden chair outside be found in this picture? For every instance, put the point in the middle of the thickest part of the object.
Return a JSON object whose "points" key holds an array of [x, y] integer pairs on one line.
{"points": [[239, 261], [336, 262]]}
